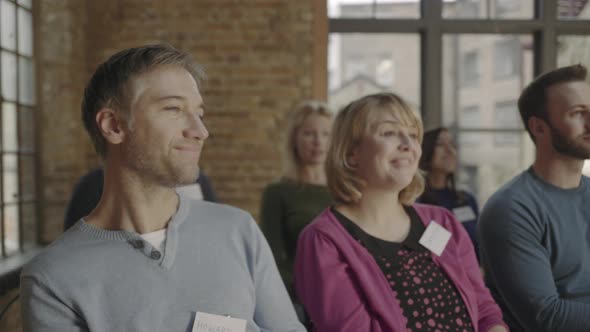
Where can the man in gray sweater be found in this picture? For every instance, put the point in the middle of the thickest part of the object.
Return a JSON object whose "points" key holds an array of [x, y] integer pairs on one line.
{"points": [[535, 231], [147, 259]]}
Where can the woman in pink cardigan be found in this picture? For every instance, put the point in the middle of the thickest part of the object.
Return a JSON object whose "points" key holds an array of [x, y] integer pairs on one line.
{"points": [[376, 262]]}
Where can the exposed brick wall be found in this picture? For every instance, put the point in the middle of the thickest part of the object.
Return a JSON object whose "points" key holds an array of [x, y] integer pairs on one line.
{"points": [[258, 56], [65, 149]]}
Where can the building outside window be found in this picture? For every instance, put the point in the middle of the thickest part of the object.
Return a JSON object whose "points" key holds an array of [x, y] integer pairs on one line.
{"points": [[470, 69], [385, 71], [18, 197], [507, 58], [506, 116]]}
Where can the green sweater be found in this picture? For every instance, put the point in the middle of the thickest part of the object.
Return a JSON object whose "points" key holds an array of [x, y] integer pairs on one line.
{"points": [[287, 207], [215, 261]]}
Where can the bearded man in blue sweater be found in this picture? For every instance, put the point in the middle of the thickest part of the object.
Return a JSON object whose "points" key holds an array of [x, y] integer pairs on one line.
{"points": [[146, 258], [535, 231]]}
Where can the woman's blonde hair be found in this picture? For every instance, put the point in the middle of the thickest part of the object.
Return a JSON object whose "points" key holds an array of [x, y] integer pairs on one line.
{"points": [[350, 126], [291, 165]]}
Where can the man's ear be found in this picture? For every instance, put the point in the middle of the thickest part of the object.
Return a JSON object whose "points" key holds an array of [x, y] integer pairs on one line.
{"points": [[110, 125], [537, 126]]}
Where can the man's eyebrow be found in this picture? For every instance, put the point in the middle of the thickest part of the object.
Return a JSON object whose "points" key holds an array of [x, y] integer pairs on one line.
{"points": [[201, 105], [169, 97], [577, 106]]}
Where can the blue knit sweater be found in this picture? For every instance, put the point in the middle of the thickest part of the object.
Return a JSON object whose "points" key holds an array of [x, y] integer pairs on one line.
{"points": [[215, 261], [535, 250]]}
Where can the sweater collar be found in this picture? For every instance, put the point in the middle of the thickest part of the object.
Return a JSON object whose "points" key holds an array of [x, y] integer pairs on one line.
{"points": [[122, 235]]}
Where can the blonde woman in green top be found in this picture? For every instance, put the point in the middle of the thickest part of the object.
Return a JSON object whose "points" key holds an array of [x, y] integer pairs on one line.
{"points": [[291, 203]]}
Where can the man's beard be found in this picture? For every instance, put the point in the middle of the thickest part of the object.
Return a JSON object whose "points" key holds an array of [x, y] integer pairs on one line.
{"points": [[153, 168], [567, 146]]}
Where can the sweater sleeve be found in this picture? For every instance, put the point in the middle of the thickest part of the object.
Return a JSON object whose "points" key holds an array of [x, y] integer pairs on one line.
{"points": [[272, 225], [274, 310], [43, 311], [519, 267], [327, 289]]}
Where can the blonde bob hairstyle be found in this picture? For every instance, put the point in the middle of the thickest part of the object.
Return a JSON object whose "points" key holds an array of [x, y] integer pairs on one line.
{"points": [[292, 164], [352, 124]]}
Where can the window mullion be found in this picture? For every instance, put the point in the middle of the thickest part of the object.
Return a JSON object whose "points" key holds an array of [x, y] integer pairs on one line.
{"points": [[431, 63], [545, 54]]}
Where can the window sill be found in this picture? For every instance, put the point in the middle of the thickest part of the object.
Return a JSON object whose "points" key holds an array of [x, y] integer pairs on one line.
{"points": [[10, 269]]}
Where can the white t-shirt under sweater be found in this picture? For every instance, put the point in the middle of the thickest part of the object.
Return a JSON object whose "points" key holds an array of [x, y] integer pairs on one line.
{"points": [[215, 261], [157, 239]]}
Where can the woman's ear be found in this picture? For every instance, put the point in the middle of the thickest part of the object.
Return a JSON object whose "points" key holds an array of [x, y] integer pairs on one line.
{"points": [[110, 125], [352, 158]]}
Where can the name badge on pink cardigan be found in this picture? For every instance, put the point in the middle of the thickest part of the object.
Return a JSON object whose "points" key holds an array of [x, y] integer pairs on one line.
{"points": [[435, 238]]}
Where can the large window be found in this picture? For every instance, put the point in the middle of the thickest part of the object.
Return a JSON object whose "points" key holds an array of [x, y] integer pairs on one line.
{"points": [[367, 63], [463, 64], [18, 198]]}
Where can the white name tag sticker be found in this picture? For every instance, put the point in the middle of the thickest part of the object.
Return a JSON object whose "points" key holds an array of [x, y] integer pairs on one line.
{"points": [[464, 213], [435, 238], [205, 322]]}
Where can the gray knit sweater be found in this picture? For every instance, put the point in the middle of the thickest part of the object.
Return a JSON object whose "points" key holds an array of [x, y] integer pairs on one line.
{"points": [[535, 250], [215, 261]]}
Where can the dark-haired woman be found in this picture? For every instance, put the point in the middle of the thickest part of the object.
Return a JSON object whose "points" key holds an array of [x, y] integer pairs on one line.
{"points": [[439, 161]]}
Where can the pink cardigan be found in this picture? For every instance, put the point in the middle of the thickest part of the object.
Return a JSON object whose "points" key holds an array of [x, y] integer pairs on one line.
{"points": [[344, 290]]}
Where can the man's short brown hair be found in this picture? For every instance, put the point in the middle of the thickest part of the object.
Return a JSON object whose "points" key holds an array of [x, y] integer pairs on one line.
{"points": [[110, 84], [533, 99]]}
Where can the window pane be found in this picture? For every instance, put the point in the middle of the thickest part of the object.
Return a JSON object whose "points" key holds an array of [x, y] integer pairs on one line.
{"points": [[507, 57], [470, 69], [26, 125], [25, 3], [480, 106], [573, 9], [25, 32], [8, 75], [26, 81], [8, 25], [11, 227], [374, 8], [573, 50], [506, 116], [9, 129], [360, 64], [503, 64], [27, 177], [29, 221], [484, 9], [10, 178], [470, 117], [485, 165]]}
